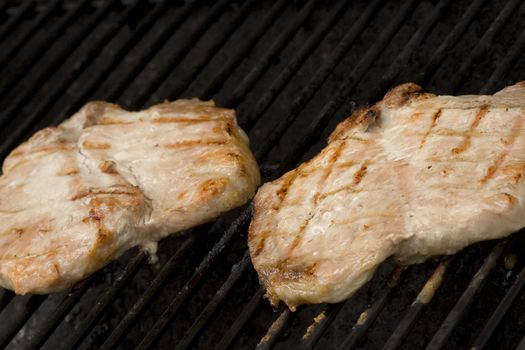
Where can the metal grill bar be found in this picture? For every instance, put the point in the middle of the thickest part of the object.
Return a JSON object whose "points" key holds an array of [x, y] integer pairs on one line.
{"points": [[16, 18], [319, 78], [368, 316], [174, 60], [414, 311], [105, 72], [275, 330], [237, 271], [238, 225], [5, 298], [466, 300], [17, 72], [8, 53], [146, 297], [18, 318], [118, 87], [81, 330], [41, 79], [402, 59], [503, 67], [484, 43], [239, 323], [348, 84], [270, 55], [500, 311], [521, 345], [295, 63], [51, 95], [204, 59], [246, 46], [48, 327], [454, 36], [321, 322]]}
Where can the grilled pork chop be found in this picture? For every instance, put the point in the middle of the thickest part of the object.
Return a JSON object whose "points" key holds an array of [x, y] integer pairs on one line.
{"points": [[413, 176], [74, 197]]}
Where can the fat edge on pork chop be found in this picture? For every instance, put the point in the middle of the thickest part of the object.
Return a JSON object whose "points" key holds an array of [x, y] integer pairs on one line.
{"points": [[414, 176], [76, 196]]}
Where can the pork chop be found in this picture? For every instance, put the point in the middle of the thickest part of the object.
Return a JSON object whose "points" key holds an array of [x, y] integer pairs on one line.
{"points": [[414, 176], [76, 196]]}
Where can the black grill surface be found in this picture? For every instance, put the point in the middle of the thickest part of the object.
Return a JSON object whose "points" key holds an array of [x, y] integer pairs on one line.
{"points": [[293, 70]]}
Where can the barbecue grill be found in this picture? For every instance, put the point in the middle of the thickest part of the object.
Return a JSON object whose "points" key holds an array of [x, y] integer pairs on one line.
{"points": [[293, 70]]}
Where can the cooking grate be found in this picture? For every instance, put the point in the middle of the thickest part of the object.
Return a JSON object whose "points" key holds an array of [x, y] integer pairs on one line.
{"points": [[290, 69]]}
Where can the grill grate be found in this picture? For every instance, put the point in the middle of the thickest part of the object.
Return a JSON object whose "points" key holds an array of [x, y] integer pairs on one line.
{"points": [[289, 69]]}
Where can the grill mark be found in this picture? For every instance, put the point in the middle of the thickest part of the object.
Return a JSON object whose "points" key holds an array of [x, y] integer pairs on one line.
{"points": [[191, 143], [181, 120], [435, 118], [260, 245], [466, 140], [351, 189], [160, 120], [320, 184], [516, 130], [94, 145], [282, 192], [356, 138], [88, 193], [360, 174]]}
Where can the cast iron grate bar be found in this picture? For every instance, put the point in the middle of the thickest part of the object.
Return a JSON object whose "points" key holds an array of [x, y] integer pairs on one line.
{"points": [[17, 72], [48, 327], [327, 67], [319, 325], [146, 297], [236, 272], [270, 55], [16, 18], [52, 95], [500, 312], [5, 298], [295, 63], [239, 224], [244, 316], [8, 52], [274, 332], [521, 345], [437, 58], [420, 303], [202, 60], [503, 67], [368, 316], [245, 47], [144, 57], [312, 130], [467, 298], [484, 43], [84, 326], [105, 72], [403, 58], [184, 48], [19, 317]]}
